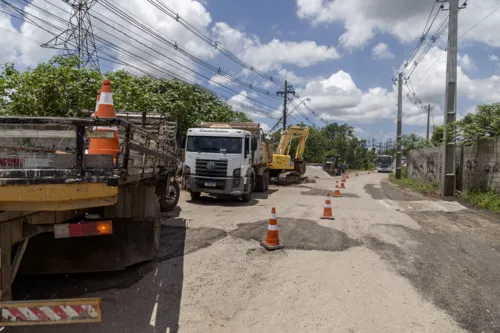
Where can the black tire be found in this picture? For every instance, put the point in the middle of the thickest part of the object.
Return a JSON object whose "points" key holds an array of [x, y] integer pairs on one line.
{"points": [[171, 198], [261, 183], [195, 195], [247, 197], [267, 179]]}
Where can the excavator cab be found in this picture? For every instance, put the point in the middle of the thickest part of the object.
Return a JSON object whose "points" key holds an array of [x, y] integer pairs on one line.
{"points": [[284, 167]]}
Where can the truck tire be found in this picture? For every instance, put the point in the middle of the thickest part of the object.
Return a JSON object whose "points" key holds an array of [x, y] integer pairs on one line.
{"points": [[267, 179], [247, 197], [171, 197], [195, 195], [261, 183]]}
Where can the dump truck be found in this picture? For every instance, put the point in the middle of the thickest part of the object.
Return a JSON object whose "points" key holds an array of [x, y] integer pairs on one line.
{"points": [[64, 210], [227, 159]]}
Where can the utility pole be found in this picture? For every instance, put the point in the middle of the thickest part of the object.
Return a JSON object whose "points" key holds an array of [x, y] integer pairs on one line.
{"points": [[428, 120], [450, 103], [400, 126], [288, 90]]}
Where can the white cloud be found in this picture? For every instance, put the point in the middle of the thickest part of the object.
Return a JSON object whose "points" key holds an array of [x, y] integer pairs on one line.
{"points": [[493, 57], [381, 51], [466, 62], [274, 54], [30, 53], [404, 19], [338, 98], [242, 103], [218, 80]]}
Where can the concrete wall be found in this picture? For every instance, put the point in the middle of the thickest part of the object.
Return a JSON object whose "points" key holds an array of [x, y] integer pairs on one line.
{"points": [[482, 165], [478, 165]]}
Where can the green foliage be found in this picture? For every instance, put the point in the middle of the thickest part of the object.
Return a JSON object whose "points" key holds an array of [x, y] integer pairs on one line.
{"points": [[486, 199], [415, 185], [437, 136], [59, 88], [413, 141], [485, 123]]}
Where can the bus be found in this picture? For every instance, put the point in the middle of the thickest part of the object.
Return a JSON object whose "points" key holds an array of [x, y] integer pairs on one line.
{"points": [[384, 163]]}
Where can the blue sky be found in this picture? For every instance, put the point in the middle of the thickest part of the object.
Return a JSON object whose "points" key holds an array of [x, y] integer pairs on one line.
{"points": [[341, 54]]}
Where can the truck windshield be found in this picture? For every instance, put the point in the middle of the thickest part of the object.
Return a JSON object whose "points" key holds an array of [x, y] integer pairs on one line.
{"points": [[384, 160], [214, 144]]}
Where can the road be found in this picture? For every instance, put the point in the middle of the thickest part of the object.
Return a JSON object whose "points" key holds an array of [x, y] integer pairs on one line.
{"points": [[392, 261]]}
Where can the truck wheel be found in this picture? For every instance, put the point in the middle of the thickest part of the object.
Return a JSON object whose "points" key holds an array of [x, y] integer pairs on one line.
{"points": [[195, 195], [261, 183], [247, 197], [171, 198]]}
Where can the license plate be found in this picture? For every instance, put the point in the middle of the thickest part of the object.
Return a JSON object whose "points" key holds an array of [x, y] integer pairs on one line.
{"points": [[210, 184]]}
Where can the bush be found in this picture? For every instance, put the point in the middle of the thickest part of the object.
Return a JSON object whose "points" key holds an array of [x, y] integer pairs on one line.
{"points": [[486, 199]]}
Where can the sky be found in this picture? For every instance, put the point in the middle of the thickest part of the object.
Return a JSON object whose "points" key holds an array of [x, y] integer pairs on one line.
{"points": [[340, 55]]}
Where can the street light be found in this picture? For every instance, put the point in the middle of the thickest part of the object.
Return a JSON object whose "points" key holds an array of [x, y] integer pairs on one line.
{"points": [[289, 113]]}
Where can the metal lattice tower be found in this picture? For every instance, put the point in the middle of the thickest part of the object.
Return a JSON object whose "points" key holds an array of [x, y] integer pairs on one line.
{"points": [[78, 39]]}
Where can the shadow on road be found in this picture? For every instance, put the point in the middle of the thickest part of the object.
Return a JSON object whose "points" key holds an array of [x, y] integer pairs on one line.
{"points": [[230, 201]]}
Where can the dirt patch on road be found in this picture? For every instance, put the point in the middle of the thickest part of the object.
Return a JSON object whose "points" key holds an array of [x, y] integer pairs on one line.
{"points": [[178, 241], [298, 234], [454, 261], [322, 192]]}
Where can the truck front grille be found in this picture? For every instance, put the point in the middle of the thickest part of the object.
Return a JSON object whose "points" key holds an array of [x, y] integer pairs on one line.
{"points": [[202, 169]]}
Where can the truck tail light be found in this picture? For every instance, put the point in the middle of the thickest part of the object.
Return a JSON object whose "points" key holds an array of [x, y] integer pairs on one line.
{"points": [[83, 229]]}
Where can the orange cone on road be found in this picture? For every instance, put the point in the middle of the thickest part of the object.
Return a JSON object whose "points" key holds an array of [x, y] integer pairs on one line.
{"points": [[105, 109], [327, 211], [272, 241], [337, 194], [342, 185], [356, 174]]}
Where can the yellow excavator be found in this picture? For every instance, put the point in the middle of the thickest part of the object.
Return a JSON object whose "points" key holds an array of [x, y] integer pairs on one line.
{"points": [[286, 170]]}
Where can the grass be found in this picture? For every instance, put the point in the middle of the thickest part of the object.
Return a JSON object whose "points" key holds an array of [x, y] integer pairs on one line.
{"points": [[421, 187], [415, 185], [486, 199]]}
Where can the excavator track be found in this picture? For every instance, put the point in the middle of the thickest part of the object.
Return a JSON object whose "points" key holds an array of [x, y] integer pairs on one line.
{"points": [[288, 178]]}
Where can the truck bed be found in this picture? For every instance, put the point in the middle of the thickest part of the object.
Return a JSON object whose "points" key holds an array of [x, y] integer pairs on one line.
{"points": [[44, 165]]}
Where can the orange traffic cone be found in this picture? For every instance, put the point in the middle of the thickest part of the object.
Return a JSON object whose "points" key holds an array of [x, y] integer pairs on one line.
{"points": [[327, 212], [342, 185], [272, 241], [337, 194], [356, 174], [105, 109]]}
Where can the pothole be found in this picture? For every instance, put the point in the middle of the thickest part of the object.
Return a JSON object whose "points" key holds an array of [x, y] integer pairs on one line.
{"points": [[298, 234], [322, 192]]}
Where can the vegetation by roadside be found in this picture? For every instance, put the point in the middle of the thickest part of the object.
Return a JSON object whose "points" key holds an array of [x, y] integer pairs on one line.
{"points": [[485, 199], [431, 189]]}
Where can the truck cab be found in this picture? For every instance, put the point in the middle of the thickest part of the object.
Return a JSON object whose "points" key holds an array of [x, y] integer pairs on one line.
{"points": [[220, 159]]}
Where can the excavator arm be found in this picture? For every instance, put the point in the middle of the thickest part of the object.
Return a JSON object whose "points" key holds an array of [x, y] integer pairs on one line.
{"points": [[288, 171]]}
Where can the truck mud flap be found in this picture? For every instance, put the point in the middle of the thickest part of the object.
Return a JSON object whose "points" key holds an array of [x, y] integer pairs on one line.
{"points": [[50, 312]]}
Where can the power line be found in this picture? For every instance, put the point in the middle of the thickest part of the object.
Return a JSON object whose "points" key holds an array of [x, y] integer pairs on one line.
{"points": [[170, 12], [114, 59], [470, 29]]}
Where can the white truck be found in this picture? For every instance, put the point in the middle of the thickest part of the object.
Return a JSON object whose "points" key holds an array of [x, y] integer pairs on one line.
{"points": [[227, 159]]}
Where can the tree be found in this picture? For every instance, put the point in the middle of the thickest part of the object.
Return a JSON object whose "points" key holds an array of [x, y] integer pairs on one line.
{"points": [[485, 123], [437, 136], [59, 88]]}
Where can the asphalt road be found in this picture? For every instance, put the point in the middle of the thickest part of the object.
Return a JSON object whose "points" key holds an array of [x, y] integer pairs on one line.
{"points": [[391, 261]]}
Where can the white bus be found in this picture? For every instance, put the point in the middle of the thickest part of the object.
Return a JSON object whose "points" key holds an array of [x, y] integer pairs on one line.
{"points": [[384, 163]]}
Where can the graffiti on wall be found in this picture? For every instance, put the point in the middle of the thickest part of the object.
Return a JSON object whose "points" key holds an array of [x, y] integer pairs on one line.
{"points": [[426, 166]]}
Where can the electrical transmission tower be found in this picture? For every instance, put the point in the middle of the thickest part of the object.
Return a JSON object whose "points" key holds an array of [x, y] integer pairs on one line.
{"points": [[78, 39]]}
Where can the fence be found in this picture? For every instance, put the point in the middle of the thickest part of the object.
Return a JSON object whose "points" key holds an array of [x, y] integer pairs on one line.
{"points": [[478, 165]]}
